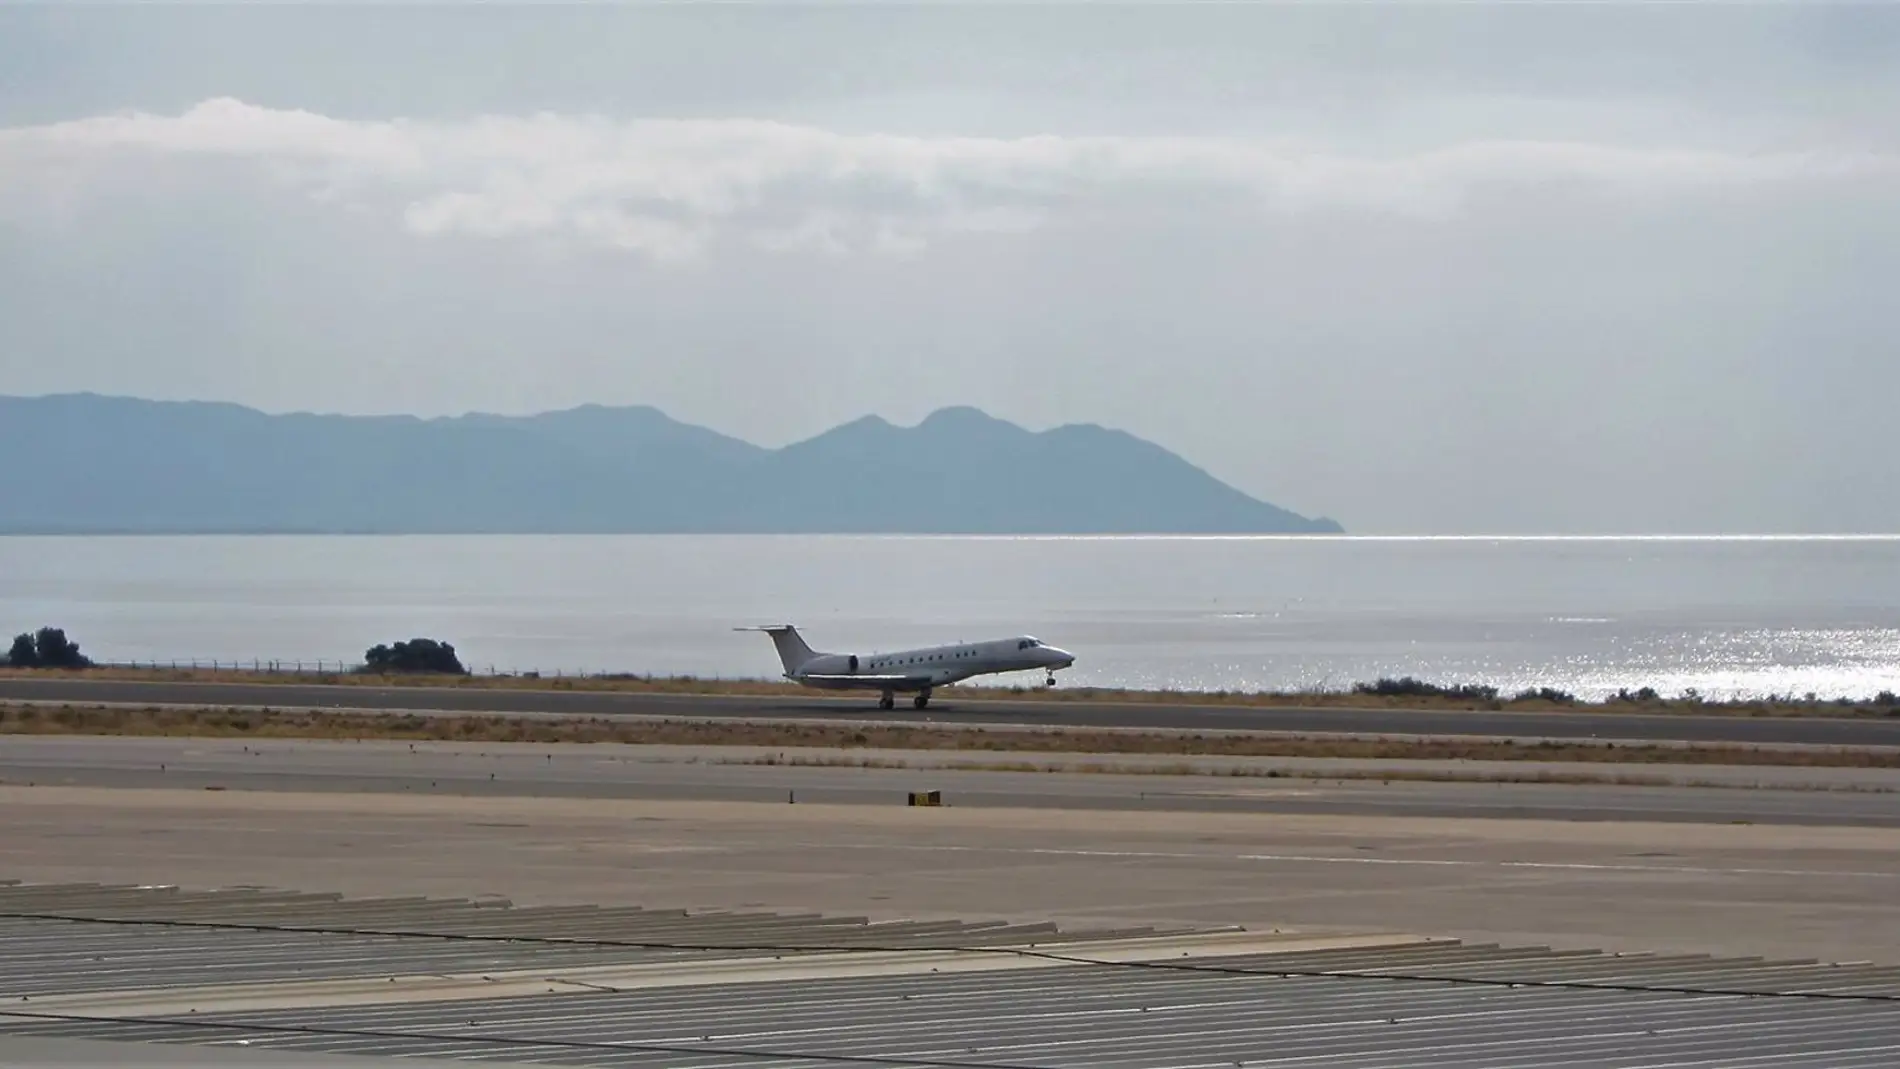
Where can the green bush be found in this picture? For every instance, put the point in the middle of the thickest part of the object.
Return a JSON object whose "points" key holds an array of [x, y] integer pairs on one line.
{"points": [[47, 648], [415, 655]]}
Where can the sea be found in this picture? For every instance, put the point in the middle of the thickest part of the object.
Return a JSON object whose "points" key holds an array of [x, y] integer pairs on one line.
{"points": [[1725, 617]]}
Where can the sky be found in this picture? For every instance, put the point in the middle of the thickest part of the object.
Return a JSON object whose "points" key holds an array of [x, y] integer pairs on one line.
{"points": [[1425, 268]]}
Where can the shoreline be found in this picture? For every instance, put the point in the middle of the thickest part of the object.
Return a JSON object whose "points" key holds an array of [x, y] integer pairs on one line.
{"points": [[1409, 694]]}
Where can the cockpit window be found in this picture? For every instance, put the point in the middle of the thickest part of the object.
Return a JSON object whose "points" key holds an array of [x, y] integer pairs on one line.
{"points": [[1027, 643]]}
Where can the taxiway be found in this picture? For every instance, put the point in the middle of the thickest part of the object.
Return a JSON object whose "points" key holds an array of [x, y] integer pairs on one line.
{"points": [[1836, 797]]}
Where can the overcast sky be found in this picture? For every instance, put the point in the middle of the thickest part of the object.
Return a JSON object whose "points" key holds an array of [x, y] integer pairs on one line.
{"points": [[1424, 268]]}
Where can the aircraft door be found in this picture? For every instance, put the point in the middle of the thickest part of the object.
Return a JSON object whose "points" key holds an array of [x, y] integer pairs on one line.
{"points": [[854, 664]]}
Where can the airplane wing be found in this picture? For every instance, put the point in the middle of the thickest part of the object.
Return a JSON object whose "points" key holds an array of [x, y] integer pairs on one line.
{"points": [[868, 680]]}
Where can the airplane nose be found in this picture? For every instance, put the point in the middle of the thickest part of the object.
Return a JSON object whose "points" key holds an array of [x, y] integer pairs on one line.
{"points": [[1060, 658]]}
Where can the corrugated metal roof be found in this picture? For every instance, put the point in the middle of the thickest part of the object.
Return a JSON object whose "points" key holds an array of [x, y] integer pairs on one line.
{"points": [[500, 919], [85, 937], [1404, 1005]]}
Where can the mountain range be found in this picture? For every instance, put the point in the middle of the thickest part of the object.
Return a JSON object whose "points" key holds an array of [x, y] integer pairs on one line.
{"points": [[87, 463]]}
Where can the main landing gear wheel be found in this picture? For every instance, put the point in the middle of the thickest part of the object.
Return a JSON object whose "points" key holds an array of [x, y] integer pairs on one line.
{"points": [[922, 699], [885, 701]]}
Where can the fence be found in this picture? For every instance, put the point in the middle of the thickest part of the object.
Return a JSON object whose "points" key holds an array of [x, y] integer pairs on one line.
{"points": [[319, 666]]}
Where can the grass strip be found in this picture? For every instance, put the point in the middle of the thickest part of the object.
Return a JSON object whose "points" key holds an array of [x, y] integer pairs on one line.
{"points": [[1379, 775], [1404, 693], [215, 722]]}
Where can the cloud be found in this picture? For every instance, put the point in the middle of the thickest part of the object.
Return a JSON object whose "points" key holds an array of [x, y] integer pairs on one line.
{"points": [[669, 188]]}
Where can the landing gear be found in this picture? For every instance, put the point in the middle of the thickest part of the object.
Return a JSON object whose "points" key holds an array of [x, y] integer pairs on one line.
{"points": [[922, 699], [1051, 681], [885, 701]]}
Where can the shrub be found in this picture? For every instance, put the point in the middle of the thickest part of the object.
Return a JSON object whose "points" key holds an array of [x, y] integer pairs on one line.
{"points": [[415, 655], [1418, 688], [47, 648]]}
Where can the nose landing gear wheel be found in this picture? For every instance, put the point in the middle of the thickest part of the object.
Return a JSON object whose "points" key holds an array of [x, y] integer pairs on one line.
{"points": [[922, 699], [1051, 681], [885, 701]]}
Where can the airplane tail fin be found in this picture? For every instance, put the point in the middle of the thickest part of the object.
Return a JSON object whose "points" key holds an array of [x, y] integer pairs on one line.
{"points": [[792, 650]]}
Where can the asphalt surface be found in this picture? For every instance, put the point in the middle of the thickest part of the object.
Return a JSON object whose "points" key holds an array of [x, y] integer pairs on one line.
{"points": [[945, 708], [589, 772]]}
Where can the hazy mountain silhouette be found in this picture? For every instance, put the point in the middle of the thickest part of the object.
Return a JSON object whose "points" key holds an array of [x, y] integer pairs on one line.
{"points": [[90, 463]]}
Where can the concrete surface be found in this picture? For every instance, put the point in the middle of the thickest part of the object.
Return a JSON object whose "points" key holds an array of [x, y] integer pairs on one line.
{"points": [[945, 707], [1796, 892], [1812, 796], [1777, 872]]}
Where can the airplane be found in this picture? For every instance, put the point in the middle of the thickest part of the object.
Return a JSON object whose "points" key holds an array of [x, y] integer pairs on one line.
{"points": [[918, 670]]}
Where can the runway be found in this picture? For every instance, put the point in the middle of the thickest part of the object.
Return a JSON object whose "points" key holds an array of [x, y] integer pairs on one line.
{"points": [[1781, 872], [1859, 797], [946, 708], [1693, 886]]}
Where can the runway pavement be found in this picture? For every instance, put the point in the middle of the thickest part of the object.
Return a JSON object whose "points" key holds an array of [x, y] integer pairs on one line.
{"points": [[1691, 886], [607, 771], [1797, 873], [947, 708]]}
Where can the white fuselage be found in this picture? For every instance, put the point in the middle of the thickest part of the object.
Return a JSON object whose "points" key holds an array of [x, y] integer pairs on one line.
{"points": [[913, 671], [936, 666]]}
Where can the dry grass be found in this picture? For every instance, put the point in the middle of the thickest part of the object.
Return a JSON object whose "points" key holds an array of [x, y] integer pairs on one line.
{"points": [[1380, 775], [643, 684], [317, 724]]}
